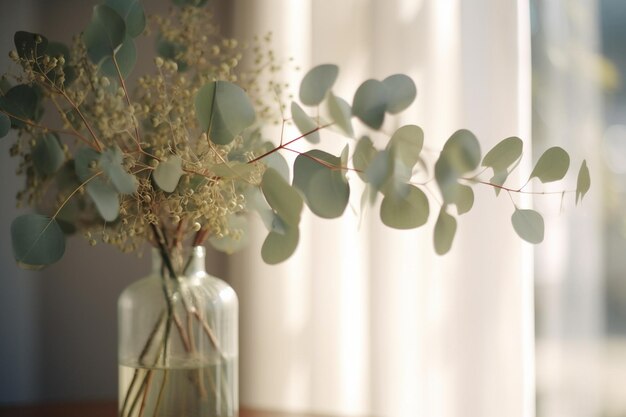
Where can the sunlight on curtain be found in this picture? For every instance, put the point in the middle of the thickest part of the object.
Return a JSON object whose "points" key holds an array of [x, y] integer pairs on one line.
{"points": [[369, 321], [570, 269]]}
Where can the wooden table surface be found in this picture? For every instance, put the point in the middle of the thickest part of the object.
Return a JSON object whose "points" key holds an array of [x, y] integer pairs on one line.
{"points": [[109, 409]]}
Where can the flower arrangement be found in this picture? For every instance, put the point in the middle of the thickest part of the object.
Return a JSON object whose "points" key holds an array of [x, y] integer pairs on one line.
{"points": [[182, 157]]}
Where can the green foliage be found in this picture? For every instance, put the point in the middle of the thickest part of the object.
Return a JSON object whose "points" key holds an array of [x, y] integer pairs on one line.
{"points": [[125, 57], [460, 155], [187, 153], [104, 34], [133, 14], [22, 104], [48, 156], [406, 210], [445, 229], [37, 241], [370, 103], [305, 124], [5, 125], [167, 174], [341, 113], [551, 166], [583, 183], [316, 83], [318, 175], [528, 224], [401, 92], [111, 161], [223, 111]]}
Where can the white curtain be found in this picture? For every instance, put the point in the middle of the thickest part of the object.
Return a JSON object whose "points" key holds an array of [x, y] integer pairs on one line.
{"points": [[367, 320]]}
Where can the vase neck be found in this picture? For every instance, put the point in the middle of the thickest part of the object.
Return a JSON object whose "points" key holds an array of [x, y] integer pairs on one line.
{"points": [[192, 261]]}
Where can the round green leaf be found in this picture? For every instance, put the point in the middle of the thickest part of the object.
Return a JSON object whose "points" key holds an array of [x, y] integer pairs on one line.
{"points": [[316, 83], [126, 57], [168, 173], [528, 224], [504, 154], [326, 190], [37, 240], [223, 110], [380, 170], [460, 154], [105, 197], [370, 103], [255, 201], [405, 212], [277, 161], [445, 229], [304, 123], [406, 144], [364, 153], [5, 125], [111, 161], [552, 165], [282, 197], [279, 247], [48, 155], [341, 113], [401, 92], [104, 34], [133, 14], [84, 159], [583, 184], [232, 170], [21, 101], [27, 46], [229, 244]]}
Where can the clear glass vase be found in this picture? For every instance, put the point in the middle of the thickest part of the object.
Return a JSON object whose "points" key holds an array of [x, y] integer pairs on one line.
{"points": [[178, 343]]}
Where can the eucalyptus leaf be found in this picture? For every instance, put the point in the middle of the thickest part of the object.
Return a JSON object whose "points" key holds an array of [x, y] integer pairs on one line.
{"points": [[21, 103], [57, 50], [133, 14], [112, 163], [583, 183], [85, 160], [370, 103], [5, 85], [528, 224], [319, 176], [460, 155], [5, 125], [279, 247], [277, 161], [232, 170], [125, 56], [364, 153], [460, 195], [105, 197], [194, 3], [48, 155], [406, 212], [104, 34], [551, 166], [30, 46], [380, 170], [401, 92], [445, 229], [223, 110], [282, 197], [305, 124], [341, 113], [167, 174], [406, 144], [37, 240], [255, 201], [230, 244], [504, 154], [316, 83]]}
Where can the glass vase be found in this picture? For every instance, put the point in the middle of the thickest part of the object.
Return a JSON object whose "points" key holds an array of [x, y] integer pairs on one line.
{"points": [[178, 347]]}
